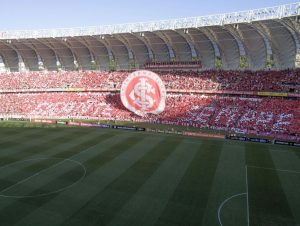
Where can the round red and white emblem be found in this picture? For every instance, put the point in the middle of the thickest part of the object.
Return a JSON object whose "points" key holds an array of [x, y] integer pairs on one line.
{"points": [[143, 92]]}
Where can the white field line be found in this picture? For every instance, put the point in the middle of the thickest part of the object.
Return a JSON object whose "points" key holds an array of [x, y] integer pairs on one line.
{"points": [[224, 202], [247, 196], [234, 145], [283, 151], [51, 192], [280, 170], [41, 157], [28, 178]]}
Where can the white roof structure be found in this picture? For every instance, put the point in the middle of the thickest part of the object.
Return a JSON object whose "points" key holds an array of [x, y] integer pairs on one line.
{"points": [[255, 35]]}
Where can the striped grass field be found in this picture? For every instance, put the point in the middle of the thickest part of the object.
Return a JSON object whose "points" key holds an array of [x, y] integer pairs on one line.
{"points": [[85, 176]]}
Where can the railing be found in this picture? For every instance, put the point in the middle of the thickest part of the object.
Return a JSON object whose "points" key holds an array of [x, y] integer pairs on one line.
{"points": [[177, 65], [275, 12]]}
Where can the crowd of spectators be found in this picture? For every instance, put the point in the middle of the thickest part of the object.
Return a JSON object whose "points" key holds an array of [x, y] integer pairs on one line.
{"points": [[254, 115], [272, 81], [247, 115]]}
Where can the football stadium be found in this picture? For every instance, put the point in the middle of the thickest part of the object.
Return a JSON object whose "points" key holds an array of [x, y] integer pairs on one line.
{"points": [[180, 122]]}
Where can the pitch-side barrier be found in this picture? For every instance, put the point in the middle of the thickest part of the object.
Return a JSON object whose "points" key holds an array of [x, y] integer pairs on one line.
{"points": [[186, 133], [261, 140]]}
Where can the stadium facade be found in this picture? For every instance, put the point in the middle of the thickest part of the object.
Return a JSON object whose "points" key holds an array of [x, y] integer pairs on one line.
{"points": [[268, 37]]}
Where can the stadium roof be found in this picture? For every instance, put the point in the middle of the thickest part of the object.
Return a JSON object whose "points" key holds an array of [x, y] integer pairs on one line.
{"points": [[275, 12], [258, 36]]}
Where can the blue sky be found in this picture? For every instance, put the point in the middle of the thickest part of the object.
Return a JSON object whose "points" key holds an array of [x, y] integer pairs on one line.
{"points": [[38, 14]]}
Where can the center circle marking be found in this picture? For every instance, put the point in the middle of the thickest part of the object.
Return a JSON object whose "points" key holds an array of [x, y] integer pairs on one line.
{"points": [[83, 169]]}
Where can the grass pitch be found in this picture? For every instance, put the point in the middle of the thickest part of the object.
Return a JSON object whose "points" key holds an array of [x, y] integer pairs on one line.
{"points": [[85, 176]]}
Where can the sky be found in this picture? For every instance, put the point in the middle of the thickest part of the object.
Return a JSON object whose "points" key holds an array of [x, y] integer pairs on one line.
{"points": [[39, 14]]}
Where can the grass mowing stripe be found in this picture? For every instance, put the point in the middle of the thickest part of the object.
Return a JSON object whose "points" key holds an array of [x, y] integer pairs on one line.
{"points": [[268, 204], [10, 173], [17, 140], [32, 204], [55, 209], [84, 145], [123, 188], [46, 163], [31, 149], [42, 146], [13, 174], [66, 175], [291, 185], [19, 145], [9, 132], [7, 202], [94, 163], [35, 185], [97, 180], [288, 170], [146, 205], [229, 180], [70, 172], [286, 161], [297, 152], [188, 203]]}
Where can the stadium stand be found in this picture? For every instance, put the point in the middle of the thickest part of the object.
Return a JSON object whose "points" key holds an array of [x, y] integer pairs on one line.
{"points": [[236, 72], [260, 116], [271, 81], [234, 76]]}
